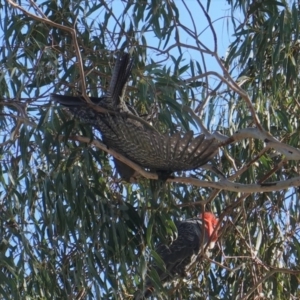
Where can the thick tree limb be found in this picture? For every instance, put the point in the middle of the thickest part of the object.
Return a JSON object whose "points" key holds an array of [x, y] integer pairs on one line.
{"points": [[290, 152]]}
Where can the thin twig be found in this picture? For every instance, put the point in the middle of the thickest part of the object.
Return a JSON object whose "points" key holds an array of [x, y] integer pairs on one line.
{"points": [[65, 28]]}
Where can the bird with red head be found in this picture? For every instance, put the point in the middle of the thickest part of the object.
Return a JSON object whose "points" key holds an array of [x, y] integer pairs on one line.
{"points": [[193, 236]]}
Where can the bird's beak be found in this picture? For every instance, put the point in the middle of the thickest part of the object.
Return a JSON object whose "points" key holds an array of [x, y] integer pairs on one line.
{"points": [[211, 245]]}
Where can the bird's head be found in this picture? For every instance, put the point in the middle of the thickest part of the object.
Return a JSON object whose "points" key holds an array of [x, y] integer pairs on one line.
{"points": [[210, 223]]}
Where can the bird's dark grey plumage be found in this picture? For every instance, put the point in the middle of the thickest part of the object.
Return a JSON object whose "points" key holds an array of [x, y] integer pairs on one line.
{"points": [[182, 253], [113, 100], [131, 138]]}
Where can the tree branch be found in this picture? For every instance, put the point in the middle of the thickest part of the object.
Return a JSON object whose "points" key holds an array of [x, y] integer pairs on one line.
{"points": [[72, 31], [222, 184]]}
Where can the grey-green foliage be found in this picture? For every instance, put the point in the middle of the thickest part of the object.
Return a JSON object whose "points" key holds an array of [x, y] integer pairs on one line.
{"points": [[69, 228]]}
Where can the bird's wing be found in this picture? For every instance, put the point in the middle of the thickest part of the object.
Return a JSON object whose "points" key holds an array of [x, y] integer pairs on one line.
{"points": [[153, 150], [131, 138], [119, 79], [74, 101], [114, 97], [146, 147]]}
